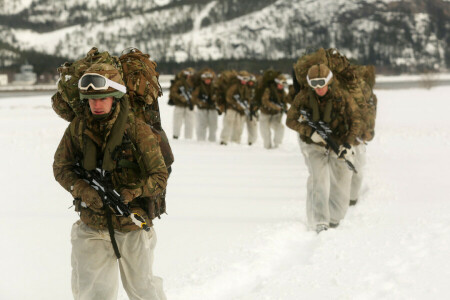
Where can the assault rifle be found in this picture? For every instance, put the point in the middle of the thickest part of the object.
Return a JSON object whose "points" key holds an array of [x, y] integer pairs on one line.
{"points": [[206, 99], [281, 106], [187, 95], [325, 132], [244, 105], [99, 180]]}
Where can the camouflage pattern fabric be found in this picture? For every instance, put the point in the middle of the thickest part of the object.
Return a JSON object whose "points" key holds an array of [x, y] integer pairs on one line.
{"points": [[70, 73], [146, 170], [181, 80], [273, 100], [244, 94], [345, 115]]}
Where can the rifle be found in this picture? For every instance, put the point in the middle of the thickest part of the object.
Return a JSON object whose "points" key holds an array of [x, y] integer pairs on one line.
{"points": [[325, 132], [98, 179], [187, 95], [206, 99], [244, 105], [281, 106]]}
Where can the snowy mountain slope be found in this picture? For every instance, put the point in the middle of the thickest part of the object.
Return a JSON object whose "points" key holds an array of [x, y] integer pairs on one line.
{"points": [[408, 34], [235, 227]]}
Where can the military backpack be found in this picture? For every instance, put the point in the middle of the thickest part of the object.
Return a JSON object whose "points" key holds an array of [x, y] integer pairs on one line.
{"points": [[359, 80]]}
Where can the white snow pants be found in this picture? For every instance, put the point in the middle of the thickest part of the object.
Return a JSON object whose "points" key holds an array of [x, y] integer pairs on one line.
{"points": [[233, 125], [183, 115], [328, 186], [359, 163], [95, 267], [252, 130], [266, 124], [206, 120]]}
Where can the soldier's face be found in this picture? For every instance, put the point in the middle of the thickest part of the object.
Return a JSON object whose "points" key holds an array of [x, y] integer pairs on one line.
{"points": [[321, 91], [101, 106]]}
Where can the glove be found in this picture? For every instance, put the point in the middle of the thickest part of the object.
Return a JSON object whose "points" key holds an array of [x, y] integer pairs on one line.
{"points": [[316, 138], [88, 195], [345, 150], [129, 194]]}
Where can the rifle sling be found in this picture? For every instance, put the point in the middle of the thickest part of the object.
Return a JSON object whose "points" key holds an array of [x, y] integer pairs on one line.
{"points": [[111, 232]]}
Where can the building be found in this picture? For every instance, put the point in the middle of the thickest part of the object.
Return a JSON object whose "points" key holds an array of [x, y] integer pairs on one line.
{"points": [[26, 76]]}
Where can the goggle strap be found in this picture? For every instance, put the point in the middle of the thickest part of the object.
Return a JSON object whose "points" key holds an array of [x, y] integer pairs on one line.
{"points": [[109, 83]]}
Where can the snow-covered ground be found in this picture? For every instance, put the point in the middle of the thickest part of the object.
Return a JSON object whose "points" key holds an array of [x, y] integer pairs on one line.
{"points": [[236, 223]]}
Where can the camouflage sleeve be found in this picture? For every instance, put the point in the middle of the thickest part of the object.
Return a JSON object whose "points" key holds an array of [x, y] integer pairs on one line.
{"points": [[153, 161], [195, 100], [230, 98], [354, 117], [64, 159], [293, 116], [175, 93], [265, 100]]}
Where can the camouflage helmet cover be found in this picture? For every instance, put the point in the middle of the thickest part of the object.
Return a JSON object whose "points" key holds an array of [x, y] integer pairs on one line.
{"points": [[320, 71], [108, 71]]}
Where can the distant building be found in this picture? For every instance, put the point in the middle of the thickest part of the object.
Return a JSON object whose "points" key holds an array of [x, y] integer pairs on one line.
{"points": [[3, 79], [26, 76]]}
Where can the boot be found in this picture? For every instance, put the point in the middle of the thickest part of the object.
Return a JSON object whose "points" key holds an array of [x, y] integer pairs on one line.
{"points": [[353, 202], [321, 227]]}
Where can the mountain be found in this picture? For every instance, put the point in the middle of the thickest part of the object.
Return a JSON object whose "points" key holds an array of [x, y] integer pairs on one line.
{"points": [[408, 35]]}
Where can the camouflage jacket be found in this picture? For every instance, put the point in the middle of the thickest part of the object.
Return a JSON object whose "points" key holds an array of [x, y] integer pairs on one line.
{"points": [[203, 96], [345, 115], [146, 171], [175, 92], [238, 91], [273, 101]]}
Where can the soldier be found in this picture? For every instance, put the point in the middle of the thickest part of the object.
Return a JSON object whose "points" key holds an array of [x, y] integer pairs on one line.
{"points": [[273, 104], [238, 106], [108, 137], [180, 94], [252, 121], [328, 185], [203, 98]]}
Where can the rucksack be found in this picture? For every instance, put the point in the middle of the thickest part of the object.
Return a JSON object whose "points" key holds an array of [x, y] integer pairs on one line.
{"points": [[267, 79], [359, 80], [221, 84], [140, 77]]}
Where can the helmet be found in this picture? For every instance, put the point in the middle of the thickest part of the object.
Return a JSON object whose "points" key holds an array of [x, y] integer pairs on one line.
{"points": [[244, 76], [319, 76], [101, 81], [188, 71]]}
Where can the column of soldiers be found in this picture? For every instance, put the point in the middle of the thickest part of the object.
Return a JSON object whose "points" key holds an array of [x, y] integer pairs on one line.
{"points": [[241, 97]]}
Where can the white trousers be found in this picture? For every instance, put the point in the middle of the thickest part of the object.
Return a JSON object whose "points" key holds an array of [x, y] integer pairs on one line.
{"points": [[252, 129], [95, 268], [268, 123], [183, 115], [206, 120], [233, 125], [328, 186], [359, 163]]}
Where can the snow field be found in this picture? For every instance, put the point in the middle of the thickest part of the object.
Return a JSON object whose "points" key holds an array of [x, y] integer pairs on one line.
{"points": [[235, 227]]}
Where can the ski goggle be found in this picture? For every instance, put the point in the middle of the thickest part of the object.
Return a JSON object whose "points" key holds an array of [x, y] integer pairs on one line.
{"points": [[98, 83], [243, 78], [207, 76], [279, 81], [188, 73], [319, 82]]}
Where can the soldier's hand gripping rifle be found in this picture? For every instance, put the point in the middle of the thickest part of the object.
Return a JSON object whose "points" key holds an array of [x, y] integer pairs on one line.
{"points": [[98, 180], [188, 96], [325, 132], [244, 105], [281, 106]]}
